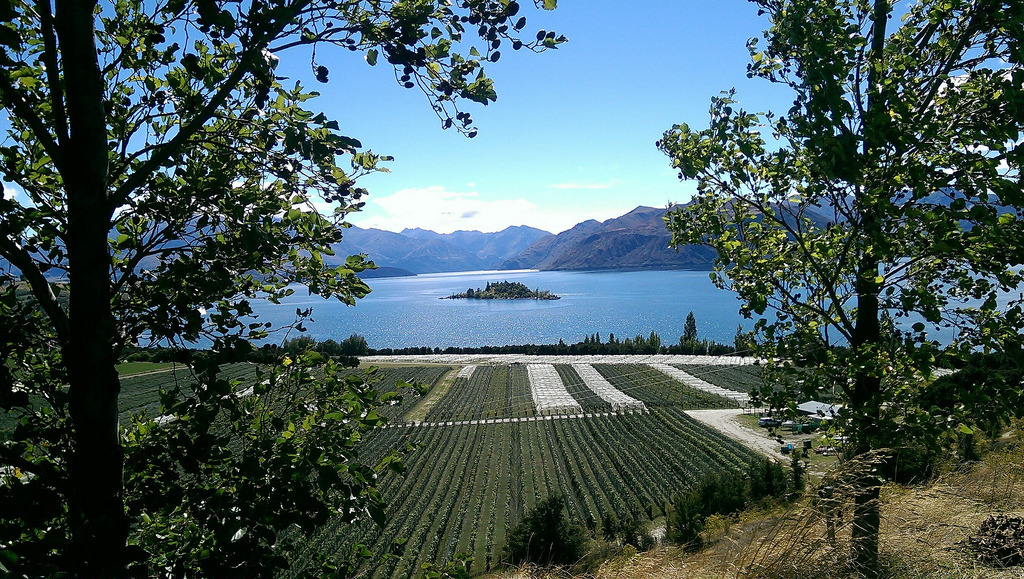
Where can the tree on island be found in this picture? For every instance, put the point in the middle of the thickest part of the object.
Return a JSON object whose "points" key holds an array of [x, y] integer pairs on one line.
{"points": [[892, 184], [166, 171], [504, 290]]}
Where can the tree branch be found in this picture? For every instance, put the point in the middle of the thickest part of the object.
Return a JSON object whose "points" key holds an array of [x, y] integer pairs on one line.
{"points": [[41, 289], [11, 100], [60, 119]]}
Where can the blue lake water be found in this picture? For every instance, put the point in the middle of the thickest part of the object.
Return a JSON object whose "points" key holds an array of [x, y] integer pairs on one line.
{"points": [[407, 311]]}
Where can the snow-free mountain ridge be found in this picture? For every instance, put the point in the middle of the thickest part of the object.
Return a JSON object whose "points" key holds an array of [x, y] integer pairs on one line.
{"points": [[636, 240]]}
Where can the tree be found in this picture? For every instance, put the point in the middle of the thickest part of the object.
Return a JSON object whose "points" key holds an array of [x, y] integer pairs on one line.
{"points": [[167, 173], [354, 345], [546, 536], [689, 330], [891, 184]]}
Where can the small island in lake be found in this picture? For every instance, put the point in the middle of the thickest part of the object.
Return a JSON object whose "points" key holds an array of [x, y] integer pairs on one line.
{"points": [[504, 290]]}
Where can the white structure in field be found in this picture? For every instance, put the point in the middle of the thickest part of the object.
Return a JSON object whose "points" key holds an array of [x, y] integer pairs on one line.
{"points": [[466, 371], [610, 394], [498, 359], [698, 384], [549, 394]]}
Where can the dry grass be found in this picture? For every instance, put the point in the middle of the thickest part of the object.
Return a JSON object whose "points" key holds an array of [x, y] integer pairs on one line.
{"points": [[921, 530]]}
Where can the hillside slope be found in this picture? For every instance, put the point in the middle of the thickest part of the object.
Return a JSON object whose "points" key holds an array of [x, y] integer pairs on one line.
{"points": [[636, 240], [923, 530]]}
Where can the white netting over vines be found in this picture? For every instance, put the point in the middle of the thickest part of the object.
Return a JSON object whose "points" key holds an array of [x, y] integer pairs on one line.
{"points": [[467, 371], [698, 384], [538, 359], [549, 394], [610, 394]]}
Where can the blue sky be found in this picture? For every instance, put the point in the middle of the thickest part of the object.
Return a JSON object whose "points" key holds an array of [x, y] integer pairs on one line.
{"points": [[571, 136]]}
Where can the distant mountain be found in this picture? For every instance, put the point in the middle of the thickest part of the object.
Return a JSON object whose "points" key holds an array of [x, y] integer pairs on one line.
{"points": [[636, 240], [389, 249], [540, 254], [492, 248]]}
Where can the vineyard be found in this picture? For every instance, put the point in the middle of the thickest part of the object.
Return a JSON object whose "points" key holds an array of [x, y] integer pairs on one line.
{"points": [[654, 388], [609, 437], [488, 451], [141, 394], [738, 378]]}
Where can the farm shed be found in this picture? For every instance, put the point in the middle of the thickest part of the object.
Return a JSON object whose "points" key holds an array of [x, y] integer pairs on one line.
{"points": [[819, 409]]}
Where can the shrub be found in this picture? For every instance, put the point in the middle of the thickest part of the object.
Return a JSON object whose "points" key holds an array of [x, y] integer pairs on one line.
{"points": [[545, 536], [725, 494], [686, 520]]}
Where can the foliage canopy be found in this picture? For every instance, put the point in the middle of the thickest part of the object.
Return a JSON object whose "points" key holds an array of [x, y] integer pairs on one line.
{"points": [[168, 172], [892, 185]]}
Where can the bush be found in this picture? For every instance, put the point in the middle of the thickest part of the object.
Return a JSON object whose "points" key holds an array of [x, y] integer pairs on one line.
{"points": [[686, 520], [767, 479], [724, 494], [629, 531], [911, 465], [545, 536]]}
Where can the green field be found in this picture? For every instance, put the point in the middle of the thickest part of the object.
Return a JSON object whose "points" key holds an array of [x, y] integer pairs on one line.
{"points": [[130, 368], [467, 483], [655, 389], [141, 394]]}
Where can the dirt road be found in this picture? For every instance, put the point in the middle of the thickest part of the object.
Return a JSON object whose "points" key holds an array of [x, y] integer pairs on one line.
{"points": [[725, 422]]}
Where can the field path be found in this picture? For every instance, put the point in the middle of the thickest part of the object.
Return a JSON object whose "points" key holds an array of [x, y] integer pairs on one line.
{"points": [[419, 412], [725, 422], [149, 372]]}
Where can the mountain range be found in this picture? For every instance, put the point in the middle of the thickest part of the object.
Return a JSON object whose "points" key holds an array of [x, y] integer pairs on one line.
{"points": [[636, 240]]}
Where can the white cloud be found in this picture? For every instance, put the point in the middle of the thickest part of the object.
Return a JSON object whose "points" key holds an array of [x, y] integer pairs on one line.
{"points": [[438, 209], [573, 185], [9, 192]]}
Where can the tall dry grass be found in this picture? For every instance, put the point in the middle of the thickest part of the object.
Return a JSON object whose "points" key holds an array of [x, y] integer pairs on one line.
{"points": [[922, 529]]}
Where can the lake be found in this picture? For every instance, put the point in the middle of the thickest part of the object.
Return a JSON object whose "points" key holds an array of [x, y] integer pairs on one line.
{"points": [[407, 311]]}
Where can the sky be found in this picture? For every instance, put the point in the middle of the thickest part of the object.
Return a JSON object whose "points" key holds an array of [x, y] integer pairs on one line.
{"points": [[572, 134]]}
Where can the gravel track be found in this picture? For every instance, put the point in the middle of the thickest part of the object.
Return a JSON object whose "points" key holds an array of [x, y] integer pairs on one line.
{"points": [[725, 422]]}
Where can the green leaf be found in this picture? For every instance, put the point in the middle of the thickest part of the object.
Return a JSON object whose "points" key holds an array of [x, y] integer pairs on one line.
{"points": [[8, 559], [550, 4], [371, 57]]}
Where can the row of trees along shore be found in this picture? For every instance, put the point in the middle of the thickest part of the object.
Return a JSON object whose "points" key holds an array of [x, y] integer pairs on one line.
{"points": [[593, 344], [356, 345]]}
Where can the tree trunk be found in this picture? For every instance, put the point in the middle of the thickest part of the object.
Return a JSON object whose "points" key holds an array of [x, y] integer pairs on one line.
{"points": [[863, 402], [99, 527], [866, 519], [867, 386]]}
